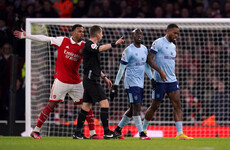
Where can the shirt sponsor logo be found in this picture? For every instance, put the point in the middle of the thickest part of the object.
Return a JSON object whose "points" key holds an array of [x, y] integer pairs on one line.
{"points": [[71, 55], [140, 64], [169, 57]]}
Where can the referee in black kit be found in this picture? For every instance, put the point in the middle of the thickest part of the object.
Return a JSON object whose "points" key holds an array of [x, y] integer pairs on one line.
{"points": [[93, 91]]}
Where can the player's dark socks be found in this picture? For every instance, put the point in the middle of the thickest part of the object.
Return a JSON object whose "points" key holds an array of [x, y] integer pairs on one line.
{"points": [[81, 120], [142, 134], [104, 118], [118, 129]]}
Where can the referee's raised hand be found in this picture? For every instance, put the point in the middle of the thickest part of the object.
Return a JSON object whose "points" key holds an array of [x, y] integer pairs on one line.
{"points": [[119, 41]]}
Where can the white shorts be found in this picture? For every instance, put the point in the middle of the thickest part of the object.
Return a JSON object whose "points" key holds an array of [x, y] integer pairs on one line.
{"points": [[60, 89]]}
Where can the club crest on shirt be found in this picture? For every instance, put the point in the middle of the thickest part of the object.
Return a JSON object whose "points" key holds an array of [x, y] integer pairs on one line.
{"points": [[154, 45], [158, 95], [94, 46], [80, 51]]}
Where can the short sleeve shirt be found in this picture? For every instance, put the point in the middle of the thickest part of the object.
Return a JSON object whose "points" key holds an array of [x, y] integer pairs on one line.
{"points": [[135, 59], [165, 59], [68, 59]]}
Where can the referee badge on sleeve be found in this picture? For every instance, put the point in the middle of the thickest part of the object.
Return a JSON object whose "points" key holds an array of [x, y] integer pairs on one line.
{"points": [[94, 46]]}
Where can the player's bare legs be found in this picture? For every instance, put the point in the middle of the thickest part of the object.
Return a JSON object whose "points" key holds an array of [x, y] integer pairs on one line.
{"points": [[149, 114], [86, 106], [104, 103], [132, 112], [151, 110], [177, 114], [175, 100]]}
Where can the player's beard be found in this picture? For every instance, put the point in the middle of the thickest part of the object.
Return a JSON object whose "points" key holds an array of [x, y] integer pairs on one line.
{"points": [[81, 38], [171, 39], [137, 41]]}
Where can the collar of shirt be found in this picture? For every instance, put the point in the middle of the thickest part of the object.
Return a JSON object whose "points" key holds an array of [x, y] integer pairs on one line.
{"points": [[73, 42], [166, 39]]}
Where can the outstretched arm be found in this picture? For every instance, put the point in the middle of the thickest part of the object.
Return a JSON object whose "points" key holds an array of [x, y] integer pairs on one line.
{"points": [[109, 46], [152, 63], [22, 34]]}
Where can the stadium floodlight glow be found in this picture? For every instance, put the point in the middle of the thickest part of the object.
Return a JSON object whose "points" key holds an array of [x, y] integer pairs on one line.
{"points": [[202, 68]]}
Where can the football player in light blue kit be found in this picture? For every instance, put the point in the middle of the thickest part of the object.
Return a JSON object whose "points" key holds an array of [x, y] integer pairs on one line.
{"points": [[162, 58], [134, 61]]}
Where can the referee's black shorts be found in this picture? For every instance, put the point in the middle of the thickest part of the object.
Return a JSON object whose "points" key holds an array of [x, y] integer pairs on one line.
{"points": [[93, 91]]}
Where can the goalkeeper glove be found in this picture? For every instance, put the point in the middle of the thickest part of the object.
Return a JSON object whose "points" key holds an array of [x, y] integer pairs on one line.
{"points": [[113, 92], [154, 84]]}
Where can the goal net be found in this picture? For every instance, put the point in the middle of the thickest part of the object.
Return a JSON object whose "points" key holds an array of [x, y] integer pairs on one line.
{"points": [[202, 69]]}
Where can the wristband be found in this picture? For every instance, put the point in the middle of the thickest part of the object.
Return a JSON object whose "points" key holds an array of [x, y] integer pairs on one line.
{"points": [[113, 44], [22, 36], [104, 77]]}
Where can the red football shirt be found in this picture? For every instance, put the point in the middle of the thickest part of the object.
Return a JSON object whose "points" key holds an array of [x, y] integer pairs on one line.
{"points": [[69, 56]]}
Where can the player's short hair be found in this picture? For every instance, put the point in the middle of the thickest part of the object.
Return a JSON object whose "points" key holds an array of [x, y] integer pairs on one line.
{"points": [[133, 31], [76, 26], [170, 26], [94, 30]]}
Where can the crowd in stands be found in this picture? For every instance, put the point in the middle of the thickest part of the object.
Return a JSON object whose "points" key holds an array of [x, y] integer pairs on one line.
{"points": [[14, 12]]}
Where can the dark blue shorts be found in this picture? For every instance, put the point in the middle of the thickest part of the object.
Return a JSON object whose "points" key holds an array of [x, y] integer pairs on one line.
{"points": [[135, 94], [163, 88]]}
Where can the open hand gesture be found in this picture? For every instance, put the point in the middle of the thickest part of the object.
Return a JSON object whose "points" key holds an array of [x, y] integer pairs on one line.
{"points": [[19, 34]]}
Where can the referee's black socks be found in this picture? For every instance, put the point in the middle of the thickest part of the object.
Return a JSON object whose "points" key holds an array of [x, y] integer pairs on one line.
{"points": [[80, 121], [105, 119]]}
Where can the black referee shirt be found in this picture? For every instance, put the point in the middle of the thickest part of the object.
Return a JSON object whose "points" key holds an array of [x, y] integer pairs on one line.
{"points": [[91, 60]]}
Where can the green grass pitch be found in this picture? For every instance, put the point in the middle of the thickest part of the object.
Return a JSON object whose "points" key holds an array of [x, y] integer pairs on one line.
{"points": [[67, 143]]}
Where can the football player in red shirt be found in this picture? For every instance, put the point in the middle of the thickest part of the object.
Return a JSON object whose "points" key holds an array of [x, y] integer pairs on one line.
{"points": [[67, 79]]}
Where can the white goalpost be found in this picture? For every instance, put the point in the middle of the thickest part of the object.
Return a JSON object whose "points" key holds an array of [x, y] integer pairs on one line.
{"points": [[202, 69]]}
